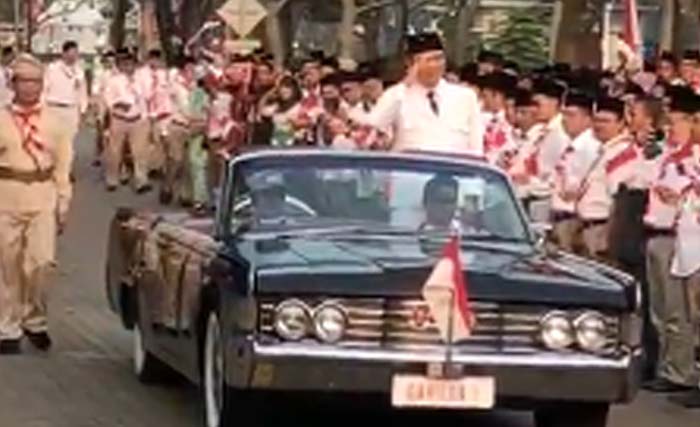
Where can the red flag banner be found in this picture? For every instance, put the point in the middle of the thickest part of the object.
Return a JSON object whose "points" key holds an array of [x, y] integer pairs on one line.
{"points": [[447, 293], [632, 34]]}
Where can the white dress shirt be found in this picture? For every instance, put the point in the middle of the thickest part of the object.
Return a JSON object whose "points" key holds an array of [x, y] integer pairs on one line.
{"points": [[549, 147], [573, 165], [6, 93], [454, 128], [686, 258], [668, 171], [616, 163], [65, 85]]}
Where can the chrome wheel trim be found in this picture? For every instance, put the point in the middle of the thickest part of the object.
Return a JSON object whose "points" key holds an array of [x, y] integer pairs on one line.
{"points": [[139, 352], [213, 372]]}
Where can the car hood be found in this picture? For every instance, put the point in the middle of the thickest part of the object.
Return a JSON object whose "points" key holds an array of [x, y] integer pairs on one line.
{"points": [[499, 272]]}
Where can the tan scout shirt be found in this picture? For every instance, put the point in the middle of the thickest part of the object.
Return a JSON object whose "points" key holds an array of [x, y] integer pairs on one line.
{"points": [[55, 193]]}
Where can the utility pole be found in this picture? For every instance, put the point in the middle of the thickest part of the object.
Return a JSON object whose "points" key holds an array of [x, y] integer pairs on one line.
{"points": [[18, 24]]}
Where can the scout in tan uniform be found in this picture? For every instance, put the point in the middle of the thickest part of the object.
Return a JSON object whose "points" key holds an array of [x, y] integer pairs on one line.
{"points": [[35, 160]]}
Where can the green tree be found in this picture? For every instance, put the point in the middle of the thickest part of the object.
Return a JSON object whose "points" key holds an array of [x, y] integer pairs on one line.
{"points": [[521, 37]]}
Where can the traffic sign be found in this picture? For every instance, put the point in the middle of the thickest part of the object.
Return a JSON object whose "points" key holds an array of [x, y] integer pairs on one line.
{"points": [[242, 15]]}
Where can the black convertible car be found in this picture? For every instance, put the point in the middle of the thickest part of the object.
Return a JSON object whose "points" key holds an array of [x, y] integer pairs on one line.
{"points": [[309, 279]]}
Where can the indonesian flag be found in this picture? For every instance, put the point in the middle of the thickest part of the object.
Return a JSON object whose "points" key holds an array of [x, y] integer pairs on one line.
{"points": [[631, 35], [446, 292]]}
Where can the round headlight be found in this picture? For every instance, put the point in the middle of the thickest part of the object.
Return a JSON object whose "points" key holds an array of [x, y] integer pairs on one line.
{"points": [[330, 322], [591, 332], [556, 331], [292, 320]]}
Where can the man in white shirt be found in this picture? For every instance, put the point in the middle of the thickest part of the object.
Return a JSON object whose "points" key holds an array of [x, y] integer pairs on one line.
{"points": [[667, 256], [107, 70], [6, 94], [153, 79], [351, 91], [617, 162], [498, 132], [65, 89], [542, 156], [573, 164], [126, 101], [525, 133], [426, 112]]}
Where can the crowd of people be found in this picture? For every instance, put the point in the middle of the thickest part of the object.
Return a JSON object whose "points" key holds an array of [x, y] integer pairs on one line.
{"points": [[611, 159]]}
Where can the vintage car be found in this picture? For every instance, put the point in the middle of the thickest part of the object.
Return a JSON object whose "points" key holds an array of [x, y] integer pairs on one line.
{"points": [[308, 280]]}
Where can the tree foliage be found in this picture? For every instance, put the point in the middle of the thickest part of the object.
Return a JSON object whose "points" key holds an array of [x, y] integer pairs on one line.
{"points": [[521, 37]]}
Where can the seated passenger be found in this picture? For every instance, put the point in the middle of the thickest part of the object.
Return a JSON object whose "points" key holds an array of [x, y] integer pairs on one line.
{"points": [[268, 196], [440, 196]]}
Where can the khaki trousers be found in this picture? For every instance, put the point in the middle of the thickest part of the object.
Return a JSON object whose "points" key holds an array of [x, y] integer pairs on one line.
{"points": [[159, 130], [692, 287], [567, 232], [176, 180], [136, 133], [669, 314], [595, 241], [27, 251], [69, 118]]}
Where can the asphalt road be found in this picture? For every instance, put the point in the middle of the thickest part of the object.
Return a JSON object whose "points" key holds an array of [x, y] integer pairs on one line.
{"points": [[86, 380]]}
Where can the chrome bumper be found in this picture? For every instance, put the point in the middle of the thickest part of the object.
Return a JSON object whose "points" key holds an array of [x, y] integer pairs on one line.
{"points": [[540, 376]]}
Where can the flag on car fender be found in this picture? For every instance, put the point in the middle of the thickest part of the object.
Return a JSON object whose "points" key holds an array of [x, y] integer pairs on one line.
{"points": [[447, 290]]}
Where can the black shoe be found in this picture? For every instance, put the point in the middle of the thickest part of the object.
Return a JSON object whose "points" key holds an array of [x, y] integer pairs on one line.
{"points": [[688, 400], [40, 340], [185, 203], [111, 188], [661, 385], [10, 347], [155, 175], [144, 189], [165, 197]]}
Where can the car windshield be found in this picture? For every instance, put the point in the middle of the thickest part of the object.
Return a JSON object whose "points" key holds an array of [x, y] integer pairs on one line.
{"points": [[360, 197]]}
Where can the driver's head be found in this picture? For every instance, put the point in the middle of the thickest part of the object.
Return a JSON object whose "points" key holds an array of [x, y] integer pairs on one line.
{"points": [[440, 200], [268, 195]]}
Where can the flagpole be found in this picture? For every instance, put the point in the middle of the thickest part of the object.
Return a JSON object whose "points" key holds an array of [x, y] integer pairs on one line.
{"points": [[450, 334]]}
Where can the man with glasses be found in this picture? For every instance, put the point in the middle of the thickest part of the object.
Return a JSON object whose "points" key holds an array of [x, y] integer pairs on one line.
{"points": [[35, 161]]}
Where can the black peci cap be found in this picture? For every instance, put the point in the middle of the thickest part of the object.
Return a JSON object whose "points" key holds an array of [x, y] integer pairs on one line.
{"points": [[335, 79], [549, 88], [469, 73], [523, 98], [498, 82], [611, 105], [421, 43], [667, 56], [684, 100], [691, 55], [579, 99]]}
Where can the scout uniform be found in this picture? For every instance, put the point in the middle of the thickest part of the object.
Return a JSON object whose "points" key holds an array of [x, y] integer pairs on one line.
{"points": [[176, 181], [129, 123], [570, 171], [498, 132], [35, 162], [617, 163], [154, 84], [540, 160], [65, 94]]}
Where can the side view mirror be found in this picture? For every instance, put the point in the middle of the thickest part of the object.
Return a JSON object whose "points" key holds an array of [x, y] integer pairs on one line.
{"points": [[541, 230]]}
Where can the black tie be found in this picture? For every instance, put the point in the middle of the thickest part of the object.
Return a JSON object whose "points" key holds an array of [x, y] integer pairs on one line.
{"points": [[433, 103]]}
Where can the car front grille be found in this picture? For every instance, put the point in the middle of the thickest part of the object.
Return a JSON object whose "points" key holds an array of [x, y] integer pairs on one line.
{"points": [[402, 324]]}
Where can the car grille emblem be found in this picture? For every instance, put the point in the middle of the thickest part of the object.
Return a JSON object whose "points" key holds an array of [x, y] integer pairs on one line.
{"points": [[421, 317]]}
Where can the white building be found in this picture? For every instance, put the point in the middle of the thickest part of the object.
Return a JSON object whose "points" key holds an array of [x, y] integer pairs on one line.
{"points": [[77, 20]]}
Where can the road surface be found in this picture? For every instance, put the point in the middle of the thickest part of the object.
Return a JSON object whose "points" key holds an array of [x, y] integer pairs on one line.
{"points": [[86, 380]]}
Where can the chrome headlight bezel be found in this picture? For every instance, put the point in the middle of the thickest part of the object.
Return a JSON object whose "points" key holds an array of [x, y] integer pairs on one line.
{"points": [[297, 312], [557, 322], [330, 311], [591, 332]]}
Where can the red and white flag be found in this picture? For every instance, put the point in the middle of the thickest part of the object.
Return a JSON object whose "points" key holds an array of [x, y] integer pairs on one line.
{"points": [[447, 294], [632, 35]]}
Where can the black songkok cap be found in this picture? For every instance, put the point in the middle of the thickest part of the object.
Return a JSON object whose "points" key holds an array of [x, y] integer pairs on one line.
{"points": [[523, 98], [369, 71], [470, 74], [684, 100], [423, 43], [351, 77], [490, 57], [498, 82], [612, 105], [335, 79], [691, 55], [668, 57], [580, 100], [549, 88]]}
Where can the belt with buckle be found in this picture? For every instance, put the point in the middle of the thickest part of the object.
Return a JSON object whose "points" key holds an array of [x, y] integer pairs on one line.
{"points": [[652, 232], [558, 216], [588, 223], [60, 104], [26, 177], [131, 119]]}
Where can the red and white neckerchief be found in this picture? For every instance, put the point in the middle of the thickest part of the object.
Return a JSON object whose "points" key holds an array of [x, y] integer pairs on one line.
{"points": [[628, 154], [26, 122], [532, 166], [495, 135]]}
